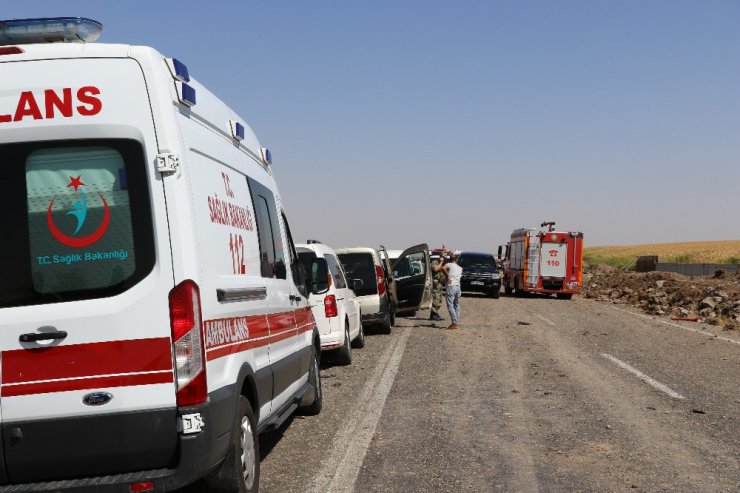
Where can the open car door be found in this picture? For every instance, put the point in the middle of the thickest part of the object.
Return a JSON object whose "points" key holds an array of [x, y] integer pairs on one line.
{"points": [[412, 273]]}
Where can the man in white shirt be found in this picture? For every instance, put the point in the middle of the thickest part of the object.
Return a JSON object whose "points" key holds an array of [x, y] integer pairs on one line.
{"points": [[454, 273]]}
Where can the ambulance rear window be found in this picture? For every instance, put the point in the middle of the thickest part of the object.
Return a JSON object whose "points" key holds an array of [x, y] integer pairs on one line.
{"points": [[79, 221]]}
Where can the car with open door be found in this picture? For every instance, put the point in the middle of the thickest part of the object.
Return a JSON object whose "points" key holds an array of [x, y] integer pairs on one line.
{"points": [[383, 294]]}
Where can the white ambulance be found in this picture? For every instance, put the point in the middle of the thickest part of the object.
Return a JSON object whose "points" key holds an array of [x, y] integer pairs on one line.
{"points": [[153, 314]]}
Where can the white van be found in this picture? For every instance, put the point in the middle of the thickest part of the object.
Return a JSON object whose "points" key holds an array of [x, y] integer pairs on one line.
{"points": [[153, 313], [334, 304]]}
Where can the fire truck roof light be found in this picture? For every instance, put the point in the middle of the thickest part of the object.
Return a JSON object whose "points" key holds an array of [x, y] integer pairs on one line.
{"points": [[49, 30]]}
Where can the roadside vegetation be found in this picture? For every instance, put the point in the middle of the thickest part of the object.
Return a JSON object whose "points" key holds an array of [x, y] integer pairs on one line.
{"points": [[707, 252]]}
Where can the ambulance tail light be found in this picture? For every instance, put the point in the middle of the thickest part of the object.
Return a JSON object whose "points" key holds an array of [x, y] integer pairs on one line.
{"points": [[187, 341], [330, 306], [381, 279]]}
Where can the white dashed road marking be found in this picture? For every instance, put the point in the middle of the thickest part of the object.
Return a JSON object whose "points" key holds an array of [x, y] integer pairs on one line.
{"points": [[644, 377], [351, 442], [548, 322]]}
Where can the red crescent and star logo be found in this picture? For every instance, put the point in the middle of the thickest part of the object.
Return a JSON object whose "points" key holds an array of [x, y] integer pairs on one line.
{"points": [[79, 211]]}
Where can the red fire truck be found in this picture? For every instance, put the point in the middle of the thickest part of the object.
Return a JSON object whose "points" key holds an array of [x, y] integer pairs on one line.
{"points": [[543, 261]]}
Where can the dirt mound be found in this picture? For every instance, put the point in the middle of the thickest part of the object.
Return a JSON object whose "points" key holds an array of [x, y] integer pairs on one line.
{"points": [[715, 300]]}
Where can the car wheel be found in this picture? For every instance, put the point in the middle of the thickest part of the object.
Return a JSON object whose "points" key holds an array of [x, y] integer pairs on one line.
{"points": [[385, 327], [240, 471], [359, 341], [314, 379], [344, 353], [495, 293]]}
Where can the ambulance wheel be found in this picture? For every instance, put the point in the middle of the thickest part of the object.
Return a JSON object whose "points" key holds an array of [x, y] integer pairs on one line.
{"points": [[344, 353], [314, 378], [564, 296], [359, 341], [240, 471]]}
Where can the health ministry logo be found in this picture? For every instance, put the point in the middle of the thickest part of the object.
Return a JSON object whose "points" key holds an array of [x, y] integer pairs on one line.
{"points": [[79, 212]]}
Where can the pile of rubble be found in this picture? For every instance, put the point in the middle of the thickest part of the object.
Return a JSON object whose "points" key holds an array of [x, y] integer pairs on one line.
{"points": [[714, 301]]}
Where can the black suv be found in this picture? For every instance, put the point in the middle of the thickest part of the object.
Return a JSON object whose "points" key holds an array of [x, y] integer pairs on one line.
{"points": [[480, 273]]}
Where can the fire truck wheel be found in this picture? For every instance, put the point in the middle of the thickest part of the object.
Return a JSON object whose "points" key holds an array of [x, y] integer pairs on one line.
{"points": [[564, 296], [240, 471]]}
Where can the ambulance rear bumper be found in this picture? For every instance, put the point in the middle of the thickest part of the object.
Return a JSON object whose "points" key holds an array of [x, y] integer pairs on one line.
{"points": [[197, 455]]}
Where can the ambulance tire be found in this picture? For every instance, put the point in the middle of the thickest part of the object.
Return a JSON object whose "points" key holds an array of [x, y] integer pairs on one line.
{"points": [[314, 378], [344, 353], [359, 341], [243, 456]]}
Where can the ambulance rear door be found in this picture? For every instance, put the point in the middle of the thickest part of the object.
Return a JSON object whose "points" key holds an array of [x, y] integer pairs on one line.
{"points": [[87, 383]]}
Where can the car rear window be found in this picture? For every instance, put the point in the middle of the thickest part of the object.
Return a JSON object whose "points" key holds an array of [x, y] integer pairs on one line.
{"points": [[79, 218], [360, 266]]}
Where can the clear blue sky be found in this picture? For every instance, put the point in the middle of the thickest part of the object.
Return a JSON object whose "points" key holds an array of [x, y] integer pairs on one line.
{"points": [[453, 123]]}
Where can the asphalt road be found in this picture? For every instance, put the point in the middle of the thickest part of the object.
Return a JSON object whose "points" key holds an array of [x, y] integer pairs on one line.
{"points": [[529, 395]]}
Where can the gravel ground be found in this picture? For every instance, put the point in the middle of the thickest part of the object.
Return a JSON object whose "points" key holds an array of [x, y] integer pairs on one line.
{"points": [[528, 395]]}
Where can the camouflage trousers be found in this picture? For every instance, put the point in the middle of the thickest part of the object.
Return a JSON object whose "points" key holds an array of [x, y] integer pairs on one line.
{"points": [[437, 295]]}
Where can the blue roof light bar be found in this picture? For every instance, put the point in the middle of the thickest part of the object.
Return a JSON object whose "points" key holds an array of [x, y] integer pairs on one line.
{"points": [[186, 94], [178, 70], [237, 130], [49, 30]]}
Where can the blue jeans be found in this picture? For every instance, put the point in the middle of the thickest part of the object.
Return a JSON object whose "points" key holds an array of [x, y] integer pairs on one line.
{"points": [[453, 303]]}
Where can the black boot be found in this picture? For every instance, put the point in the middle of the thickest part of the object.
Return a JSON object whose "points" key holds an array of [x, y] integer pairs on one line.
{"points": [[435, 317]]}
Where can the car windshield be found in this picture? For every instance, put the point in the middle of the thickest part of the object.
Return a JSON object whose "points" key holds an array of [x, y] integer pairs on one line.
{"points": [[360, 266], [471, 259]]}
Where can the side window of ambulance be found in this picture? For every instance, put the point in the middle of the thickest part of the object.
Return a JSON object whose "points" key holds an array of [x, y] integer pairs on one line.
{"points": [[80, 218], [296, 268], [272, 256]]}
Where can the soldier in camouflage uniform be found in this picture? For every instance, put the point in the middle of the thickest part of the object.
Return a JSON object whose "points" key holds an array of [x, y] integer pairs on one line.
{"points": [[439, 279]]}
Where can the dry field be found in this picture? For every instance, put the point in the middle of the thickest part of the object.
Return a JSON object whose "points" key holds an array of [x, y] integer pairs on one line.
{"points": [[708, 252]]}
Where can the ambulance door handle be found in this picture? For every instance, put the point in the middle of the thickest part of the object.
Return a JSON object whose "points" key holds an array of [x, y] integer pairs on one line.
{"points": [[43, 336]]}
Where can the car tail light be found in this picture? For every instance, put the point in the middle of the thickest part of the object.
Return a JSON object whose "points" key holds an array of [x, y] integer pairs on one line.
{"points": [[10, 50], [330, 306], [145, 486], [187, 341], [381, 279]]}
